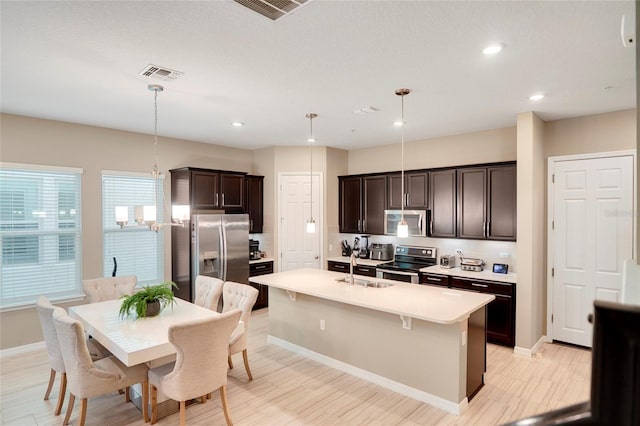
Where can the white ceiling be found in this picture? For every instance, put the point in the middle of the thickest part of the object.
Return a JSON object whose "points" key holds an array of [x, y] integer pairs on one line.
{"points": [[78, 61]]}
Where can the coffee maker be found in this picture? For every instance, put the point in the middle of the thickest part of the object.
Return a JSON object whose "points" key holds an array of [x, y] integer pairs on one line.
{"points": [[254, 251], [364, 247]]}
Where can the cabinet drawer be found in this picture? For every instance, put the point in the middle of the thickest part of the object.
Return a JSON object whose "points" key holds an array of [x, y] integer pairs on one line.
{"points": [[263, 268], [482, 286], [338, 266], [367, 271], [434, 279]]}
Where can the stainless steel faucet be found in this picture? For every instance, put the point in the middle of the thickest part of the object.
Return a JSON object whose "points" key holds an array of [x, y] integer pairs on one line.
{"points": [[352, 263]]}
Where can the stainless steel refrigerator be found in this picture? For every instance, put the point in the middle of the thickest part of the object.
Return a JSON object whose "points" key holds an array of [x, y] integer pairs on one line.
{"points": [[220, 247]]}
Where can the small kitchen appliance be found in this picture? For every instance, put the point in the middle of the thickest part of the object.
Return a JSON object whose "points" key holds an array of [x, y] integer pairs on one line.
{"points": [[407, 264], [254, 249], [447, 261], [346, 248], [469, 263], [364, 247], [381, 251]]}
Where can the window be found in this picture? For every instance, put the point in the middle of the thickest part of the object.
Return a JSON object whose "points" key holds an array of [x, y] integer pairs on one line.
{"points": [[40, 233], [136, 249]]}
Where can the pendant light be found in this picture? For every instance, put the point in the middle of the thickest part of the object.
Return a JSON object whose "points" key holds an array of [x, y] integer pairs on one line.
{"points": [[311, 224], [403, 228], [147, 215]]}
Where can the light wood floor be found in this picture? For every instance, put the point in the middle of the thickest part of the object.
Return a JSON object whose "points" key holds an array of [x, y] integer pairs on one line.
{"points": [[291, 390]]}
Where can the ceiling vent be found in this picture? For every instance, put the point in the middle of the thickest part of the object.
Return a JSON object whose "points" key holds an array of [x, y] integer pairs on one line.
{"points": [[160, 73], [272, 9]]}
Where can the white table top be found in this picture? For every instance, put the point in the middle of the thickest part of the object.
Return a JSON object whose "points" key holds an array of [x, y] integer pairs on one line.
{"points": [[430, 303], [135, 341]]}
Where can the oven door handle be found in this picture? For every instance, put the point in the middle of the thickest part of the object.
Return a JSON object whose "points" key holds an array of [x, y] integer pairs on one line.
{"points": [[388, 271]]}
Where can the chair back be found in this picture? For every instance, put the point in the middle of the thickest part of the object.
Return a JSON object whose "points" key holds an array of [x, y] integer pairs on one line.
{"points": [[83, 377], [45, 312], [108, 288], [239, 296], [201, 356], [208, 292]]}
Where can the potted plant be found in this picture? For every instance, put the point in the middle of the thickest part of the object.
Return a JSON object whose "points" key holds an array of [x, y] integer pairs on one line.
{"points": [[148, 301]]}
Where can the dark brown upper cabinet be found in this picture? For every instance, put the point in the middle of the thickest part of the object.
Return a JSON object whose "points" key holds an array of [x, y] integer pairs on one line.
{"points": [[487, 202], [442, 203], [253, 202], [416, 189], [362, 203], [204, 189]]}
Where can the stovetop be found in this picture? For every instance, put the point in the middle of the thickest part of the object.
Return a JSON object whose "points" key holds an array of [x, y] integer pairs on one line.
{"points": [[410, 258]]}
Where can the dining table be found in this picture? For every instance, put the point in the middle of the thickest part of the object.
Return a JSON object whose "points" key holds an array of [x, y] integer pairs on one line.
{"points": [[136, 340]]}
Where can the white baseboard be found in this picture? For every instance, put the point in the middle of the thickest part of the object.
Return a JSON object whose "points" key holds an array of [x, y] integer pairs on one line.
{"points": [[436, 401], [18, 350], [533, 351]]}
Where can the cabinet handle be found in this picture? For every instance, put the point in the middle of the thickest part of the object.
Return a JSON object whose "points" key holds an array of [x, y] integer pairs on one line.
{"points": [[217, 199], [434, 279], [488, 229], [261, 267], [223, 198], [479, 285], [359, 225], [364, 225], [250, 223], [363, 269], [431, 227]]}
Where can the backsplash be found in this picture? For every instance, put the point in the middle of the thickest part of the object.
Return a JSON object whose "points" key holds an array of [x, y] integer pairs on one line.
{"points": [[489, 251]]}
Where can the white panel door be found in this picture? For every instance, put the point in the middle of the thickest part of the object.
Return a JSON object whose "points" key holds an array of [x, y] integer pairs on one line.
{"points": [[593, 235], [299, 249]]}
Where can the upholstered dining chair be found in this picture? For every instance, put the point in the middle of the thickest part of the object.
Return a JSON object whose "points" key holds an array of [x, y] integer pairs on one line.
{"points": [[45, 312], [239, 296], [200, 367], [208, 292], [108, 288], [86, 378]]}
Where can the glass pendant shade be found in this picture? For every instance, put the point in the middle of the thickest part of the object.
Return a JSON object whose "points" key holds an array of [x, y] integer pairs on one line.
{"points": [[403, 229], [311, 226], [122, 215]]}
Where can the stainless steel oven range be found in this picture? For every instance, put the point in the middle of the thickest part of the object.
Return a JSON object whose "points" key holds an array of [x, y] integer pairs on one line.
{"points": [[407, 263]]}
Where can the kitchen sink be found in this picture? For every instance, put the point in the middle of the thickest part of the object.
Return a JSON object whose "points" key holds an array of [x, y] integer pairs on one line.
{"points": [[364, 283]]}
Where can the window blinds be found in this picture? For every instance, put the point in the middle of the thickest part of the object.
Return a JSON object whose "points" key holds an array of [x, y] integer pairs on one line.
{"points": [[40, 232], [138, 251]]}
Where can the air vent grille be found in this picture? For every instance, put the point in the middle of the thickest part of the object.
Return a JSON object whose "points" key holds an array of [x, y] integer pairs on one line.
{"points": [[160, 73], [272, 9]]}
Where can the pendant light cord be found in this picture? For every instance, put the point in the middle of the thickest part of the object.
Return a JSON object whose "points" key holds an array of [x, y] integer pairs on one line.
{"points": [[311, 167], [402, 162]]}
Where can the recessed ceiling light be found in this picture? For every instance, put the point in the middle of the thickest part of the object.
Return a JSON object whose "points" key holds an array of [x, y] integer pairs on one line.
{"points": [[536, 97], [237, 124], [493, 49]]}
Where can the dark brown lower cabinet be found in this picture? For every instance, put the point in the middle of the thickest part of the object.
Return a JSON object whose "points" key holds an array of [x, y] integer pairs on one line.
{"points": [[364, 270], [261, 268], [501, 313]]}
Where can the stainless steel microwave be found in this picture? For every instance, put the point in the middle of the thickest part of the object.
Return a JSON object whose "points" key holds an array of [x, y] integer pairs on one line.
{"points": [[416, 220]]}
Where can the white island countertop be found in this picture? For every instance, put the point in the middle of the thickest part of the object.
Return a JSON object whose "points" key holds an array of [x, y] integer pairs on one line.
{"points": [[429, 303]]}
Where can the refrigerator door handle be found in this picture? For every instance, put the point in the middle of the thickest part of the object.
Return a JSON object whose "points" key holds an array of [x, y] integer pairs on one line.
{"points": [[223, 251]]}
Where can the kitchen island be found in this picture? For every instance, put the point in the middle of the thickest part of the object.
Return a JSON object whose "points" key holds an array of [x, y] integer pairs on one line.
{"points": [[425, 342]]}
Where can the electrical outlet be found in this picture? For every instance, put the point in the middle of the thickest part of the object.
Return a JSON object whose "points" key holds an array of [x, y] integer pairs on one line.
{"points": [[322, 325]]}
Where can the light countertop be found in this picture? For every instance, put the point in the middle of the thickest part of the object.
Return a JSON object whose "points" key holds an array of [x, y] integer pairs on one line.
{"points": [[430, 303], [363, 262], [263, 260], [483, 275]]}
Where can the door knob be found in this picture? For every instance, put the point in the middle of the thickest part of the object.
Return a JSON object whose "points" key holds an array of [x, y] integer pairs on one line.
{"points": [[316, 258]]}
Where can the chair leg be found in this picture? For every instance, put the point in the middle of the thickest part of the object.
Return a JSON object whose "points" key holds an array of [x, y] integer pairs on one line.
{"points": [[183, 414], [225, 406], [61, 392], [209, 395], [246, 364], [203, 399], [83, 411], [52, 378], [154, 404], [229, 361], [145, 401], [72, 400]]}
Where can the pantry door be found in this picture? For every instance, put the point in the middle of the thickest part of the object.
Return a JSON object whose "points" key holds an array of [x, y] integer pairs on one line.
{"points": [[298, 248], [592, 228]]}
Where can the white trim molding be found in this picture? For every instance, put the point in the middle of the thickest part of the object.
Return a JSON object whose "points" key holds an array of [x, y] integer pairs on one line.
{"points": [[24, 349], [533, 351]]}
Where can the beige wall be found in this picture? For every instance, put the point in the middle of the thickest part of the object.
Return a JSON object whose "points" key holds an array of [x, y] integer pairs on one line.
{"points": [[46, 142]]}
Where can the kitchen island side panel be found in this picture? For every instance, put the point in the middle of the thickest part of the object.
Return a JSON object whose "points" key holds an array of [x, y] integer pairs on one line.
{"points": [[430, 357]]}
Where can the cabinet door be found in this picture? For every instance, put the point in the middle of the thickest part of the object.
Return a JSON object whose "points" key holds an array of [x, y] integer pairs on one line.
{"points": [[416, 187], [338, 266], [350, 204], [442, 202], [434, 279], [472, 195], [204, 190], [367, 271], [394, 191], [231, 193], [501, 321], [374, 203], [501, 209], [253, 203]]}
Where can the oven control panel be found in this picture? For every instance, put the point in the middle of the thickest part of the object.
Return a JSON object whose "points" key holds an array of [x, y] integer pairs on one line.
{"points": [[423, 252]]}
